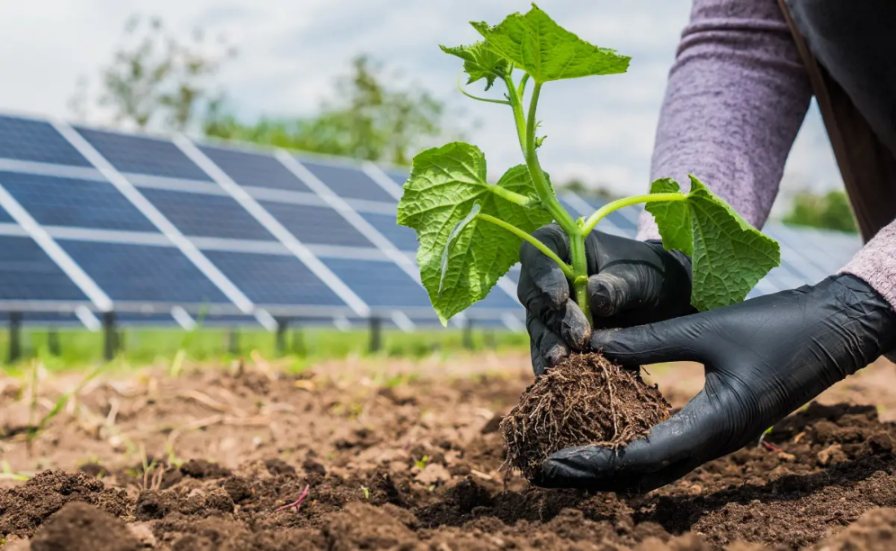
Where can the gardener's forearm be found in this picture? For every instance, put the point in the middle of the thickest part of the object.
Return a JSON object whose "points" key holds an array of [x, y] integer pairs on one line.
{"points": [[735, 99], [876, 265]]}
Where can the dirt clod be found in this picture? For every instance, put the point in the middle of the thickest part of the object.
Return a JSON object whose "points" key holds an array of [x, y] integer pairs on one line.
{"points": [[583, 400], [81, 527]]}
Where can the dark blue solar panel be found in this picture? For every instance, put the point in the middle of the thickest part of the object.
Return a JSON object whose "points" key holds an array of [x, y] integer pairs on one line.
{"points": [[5, 217], [272, 279], [56, 201], [143, 155], [498, 299], [205, 215], [38, 141], [27, 273], [348, 182], [379, 284], [401, 236], [254, 169], [143, 273], [319, 225]]}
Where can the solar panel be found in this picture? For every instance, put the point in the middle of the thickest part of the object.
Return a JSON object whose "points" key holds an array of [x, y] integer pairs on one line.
{"points": [[74, 202], [206, 215], [36, 141], [379, 284], [5, 218], [254, 169], [316, 225], [348, 182], [142, 155], [143, 273], [27, 273], [274, 280], [402, 237]]}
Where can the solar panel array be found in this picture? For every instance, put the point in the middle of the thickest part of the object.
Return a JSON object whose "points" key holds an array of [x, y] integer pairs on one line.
{"points": [[160, 230]]}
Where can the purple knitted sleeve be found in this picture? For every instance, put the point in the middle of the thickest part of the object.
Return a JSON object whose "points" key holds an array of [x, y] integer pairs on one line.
{"points": [[735, 99]]}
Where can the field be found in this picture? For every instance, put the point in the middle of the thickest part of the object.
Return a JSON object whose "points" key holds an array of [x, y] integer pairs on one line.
{"points": [[401, 452]]}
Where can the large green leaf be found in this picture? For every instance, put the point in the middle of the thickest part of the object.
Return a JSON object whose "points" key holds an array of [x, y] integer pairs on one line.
{"points": [[461, 257], [479, 62], [547, 51], [729, 256]]}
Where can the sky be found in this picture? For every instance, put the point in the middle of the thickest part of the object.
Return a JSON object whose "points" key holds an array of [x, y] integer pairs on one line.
{"points": [[600, 130]]}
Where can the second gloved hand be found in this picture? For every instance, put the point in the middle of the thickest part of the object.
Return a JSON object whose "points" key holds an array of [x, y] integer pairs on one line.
{"points": [[630, 283]]}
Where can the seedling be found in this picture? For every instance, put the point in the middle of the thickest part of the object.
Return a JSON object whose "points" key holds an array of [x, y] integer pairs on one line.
{"points": [[470, 230], [422, 462]]}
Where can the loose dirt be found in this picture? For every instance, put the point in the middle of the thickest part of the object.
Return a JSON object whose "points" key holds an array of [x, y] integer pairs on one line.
{"points": [[407, 459], [585, 399]]}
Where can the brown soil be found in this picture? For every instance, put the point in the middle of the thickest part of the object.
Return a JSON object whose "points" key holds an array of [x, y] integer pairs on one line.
{"points": [[585, 399], [208, 460]]}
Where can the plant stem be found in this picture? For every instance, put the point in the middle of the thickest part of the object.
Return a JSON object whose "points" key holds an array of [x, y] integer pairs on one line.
{"points": [[531, 239], [525, 125], [602, 212], [511, 196], [460, 87]]}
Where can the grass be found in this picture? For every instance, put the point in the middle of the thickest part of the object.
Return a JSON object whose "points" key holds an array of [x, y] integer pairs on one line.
{"points": [[171, 347]]}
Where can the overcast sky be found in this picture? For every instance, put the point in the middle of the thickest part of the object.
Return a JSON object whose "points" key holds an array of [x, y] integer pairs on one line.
{"points": [[599, 130]]}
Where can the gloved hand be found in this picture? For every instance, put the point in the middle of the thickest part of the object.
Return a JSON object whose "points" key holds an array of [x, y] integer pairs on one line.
{"points": [[631, 282], [763, 358]]}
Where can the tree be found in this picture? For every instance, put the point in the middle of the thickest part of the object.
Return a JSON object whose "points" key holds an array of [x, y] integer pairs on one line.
{"points": [[158, 79], [375, 117], [830, 211]]}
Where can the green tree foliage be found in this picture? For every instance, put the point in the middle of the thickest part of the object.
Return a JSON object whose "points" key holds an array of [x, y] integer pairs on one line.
{"points": [[159, 79], [830, 211], [373, 117]]}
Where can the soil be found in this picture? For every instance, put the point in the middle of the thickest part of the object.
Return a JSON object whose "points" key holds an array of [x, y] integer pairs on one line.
{"points": [[209, 459], [585, 399]]}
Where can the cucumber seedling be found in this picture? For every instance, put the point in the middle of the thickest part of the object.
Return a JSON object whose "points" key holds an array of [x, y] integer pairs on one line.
{"points": [[470, 230]]}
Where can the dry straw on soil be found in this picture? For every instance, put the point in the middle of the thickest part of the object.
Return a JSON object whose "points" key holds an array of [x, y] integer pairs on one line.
{"points": [[585, 399]]}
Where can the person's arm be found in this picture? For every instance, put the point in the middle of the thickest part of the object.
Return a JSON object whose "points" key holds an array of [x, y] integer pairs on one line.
{"points": [[735, 99], [875, 264]]}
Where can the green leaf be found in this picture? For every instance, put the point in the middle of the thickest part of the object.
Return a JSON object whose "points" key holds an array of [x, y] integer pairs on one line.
{"points": [[673, 218], [728, 255], [547, 51], [461, 257], [479, 62]]}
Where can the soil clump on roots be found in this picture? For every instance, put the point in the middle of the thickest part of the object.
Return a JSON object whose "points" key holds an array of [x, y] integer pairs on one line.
{"points": [[585, 399]]}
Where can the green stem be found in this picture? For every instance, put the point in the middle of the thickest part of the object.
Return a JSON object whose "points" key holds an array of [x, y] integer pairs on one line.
{"points": [[578, 274], [460, 87], [511, 196], [534, 241], [602, 212]]}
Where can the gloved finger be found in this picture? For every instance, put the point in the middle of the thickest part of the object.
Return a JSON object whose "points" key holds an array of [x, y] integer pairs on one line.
{"points": [[619, 287], [669, 451], [666, 341], [543, 286], [562, 317], [546, 347]]}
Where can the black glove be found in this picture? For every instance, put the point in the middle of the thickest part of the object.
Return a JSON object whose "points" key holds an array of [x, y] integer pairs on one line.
{"points": [[631, 282], [763, 358]]}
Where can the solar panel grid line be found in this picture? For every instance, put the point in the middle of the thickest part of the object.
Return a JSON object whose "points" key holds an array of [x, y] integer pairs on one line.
{"points": [[193, 254], [318, 268], [240, 245], [285, 196], [108, 236], [379, 176], [12, 229], [57, 254], [402, 321], [183, 318], [167, 183], [46, 169]]}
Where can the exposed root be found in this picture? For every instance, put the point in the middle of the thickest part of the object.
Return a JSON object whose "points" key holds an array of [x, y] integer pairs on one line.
{"points": [[584, 400]]}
